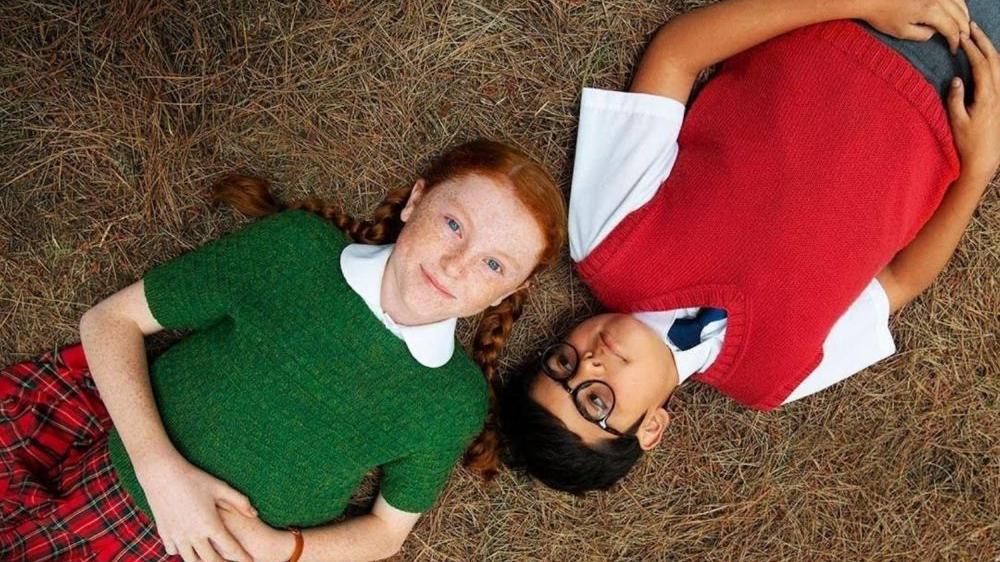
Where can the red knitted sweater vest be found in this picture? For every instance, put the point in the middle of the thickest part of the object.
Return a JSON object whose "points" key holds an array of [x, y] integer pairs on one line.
{"points": [[805, 164]]}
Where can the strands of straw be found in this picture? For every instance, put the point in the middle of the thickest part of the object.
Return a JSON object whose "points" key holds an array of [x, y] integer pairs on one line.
{"points": [[115, 116]]}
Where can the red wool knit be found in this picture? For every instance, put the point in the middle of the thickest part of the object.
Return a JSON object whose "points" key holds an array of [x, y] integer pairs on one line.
{"points": [[804, 166]]}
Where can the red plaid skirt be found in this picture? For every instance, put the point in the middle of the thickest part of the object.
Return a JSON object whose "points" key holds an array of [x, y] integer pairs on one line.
{"points": [[60, 498]]}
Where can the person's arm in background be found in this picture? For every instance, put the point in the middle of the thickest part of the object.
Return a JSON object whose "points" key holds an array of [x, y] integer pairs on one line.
{"points": [[976, 130], [183, 497], [691, 42]]}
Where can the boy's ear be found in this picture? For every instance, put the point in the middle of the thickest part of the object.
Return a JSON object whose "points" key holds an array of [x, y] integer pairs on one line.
{"points": [[651, 431], [419, 189]]}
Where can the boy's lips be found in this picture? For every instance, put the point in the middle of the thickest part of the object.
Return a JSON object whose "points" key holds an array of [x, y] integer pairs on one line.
{"points": [[610, 344], [434, 283]]}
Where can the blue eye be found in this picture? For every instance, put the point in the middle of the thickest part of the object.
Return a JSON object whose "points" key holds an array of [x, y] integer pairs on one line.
{"points": [[453, 225], [494, 265]]}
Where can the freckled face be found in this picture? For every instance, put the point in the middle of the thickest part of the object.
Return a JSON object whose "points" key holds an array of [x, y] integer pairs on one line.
{"points": [[622, 352], [467, 243]]}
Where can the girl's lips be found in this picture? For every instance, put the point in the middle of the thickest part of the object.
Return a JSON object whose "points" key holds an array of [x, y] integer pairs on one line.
{"points": [[434, 283], [609, 343]]}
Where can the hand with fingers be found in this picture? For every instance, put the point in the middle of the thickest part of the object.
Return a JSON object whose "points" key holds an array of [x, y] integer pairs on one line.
{"points": [[264, 543], [919, 20], [976, 127], [186, 503]]}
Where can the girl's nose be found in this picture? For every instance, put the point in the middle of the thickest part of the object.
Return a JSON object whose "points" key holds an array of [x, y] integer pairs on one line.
{"points": [[453, 265]]}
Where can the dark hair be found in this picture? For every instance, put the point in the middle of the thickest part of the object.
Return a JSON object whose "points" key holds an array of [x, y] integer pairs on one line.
{"points": [[531, 184], [539, 443]]}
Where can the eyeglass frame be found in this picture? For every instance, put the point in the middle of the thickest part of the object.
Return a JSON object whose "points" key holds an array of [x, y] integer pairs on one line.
{"points": [[574, 392]]}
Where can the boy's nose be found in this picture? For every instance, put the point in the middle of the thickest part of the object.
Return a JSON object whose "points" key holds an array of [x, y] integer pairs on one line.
{"points": [[591, 365]]}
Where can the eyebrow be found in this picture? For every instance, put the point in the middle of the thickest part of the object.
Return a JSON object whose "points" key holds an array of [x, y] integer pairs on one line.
{"points": [[566, 396], [572, 406]]}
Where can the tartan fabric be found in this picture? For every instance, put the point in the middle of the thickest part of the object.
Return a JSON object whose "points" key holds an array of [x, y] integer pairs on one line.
{"points": [[60, 498]]}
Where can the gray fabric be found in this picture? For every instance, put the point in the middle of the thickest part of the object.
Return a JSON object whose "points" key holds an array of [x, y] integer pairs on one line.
{"points": [[933, 59]]}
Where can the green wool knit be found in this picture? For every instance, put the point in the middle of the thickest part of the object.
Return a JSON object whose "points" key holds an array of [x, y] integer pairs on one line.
{"points": [[289, 388]]}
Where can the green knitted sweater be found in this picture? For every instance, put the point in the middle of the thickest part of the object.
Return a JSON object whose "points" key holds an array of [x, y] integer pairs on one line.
{"points": [[289, 388]]}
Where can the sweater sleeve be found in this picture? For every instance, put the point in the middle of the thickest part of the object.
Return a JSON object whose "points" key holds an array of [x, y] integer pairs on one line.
{"points": [[412, 483], [198, 288]]}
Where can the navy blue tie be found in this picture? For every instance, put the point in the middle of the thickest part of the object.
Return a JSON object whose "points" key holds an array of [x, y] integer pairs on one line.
{"points": [[685, 333]]}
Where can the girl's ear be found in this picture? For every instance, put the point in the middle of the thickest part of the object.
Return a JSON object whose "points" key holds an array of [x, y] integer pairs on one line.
{"points": [[524, 285], [416, 194], [651, 431]]}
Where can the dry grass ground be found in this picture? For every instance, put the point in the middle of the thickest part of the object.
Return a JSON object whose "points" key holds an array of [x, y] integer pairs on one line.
{"points": [[115, 116]]}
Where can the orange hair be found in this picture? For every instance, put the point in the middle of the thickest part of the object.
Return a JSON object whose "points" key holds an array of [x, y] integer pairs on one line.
{"points": [[532, 185]]}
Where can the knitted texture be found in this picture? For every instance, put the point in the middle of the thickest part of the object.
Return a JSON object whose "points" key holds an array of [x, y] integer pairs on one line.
{"points": [[805, 165], [289, 388]]}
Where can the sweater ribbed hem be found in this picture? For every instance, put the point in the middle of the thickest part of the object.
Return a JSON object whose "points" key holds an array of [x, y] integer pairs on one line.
{"points": [[893, 68], [716, 296]]}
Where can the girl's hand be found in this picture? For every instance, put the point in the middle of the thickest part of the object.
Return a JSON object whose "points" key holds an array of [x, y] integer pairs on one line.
{"points": [[185, 501], [976, 128], [918, 20], [264, 543]]}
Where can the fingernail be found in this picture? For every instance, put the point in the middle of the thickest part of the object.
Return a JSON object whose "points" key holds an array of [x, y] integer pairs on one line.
{"points": [[956, 82], [975, 25]]}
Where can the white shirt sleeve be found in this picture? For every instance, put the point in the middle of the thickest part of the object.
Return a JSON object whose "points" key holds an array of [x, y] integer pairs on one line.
{"points": [[859, 339], [626, 145]]}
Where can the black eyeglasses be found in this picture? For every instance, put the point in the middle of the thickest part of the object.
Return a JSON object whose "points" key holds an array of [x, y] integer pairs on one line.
{"points": [[594, 399]]}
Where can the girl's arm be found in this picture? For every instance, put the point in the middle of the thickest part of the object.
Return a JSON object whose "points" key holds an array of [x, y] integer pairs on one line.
{"points": [[183, 497], [977, 138], [377, 535], [374, 536], [693, 41]]}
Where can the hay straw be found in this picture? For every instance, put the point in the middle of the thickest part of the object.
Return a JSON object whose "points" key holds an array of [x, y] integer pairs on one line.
{"points": [[114, 117]]}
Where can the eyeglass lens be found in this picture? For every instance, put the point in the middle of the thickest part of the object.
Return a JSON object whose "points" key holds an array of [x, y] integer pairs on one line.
{"points": [[560, 361], [595, 400]]}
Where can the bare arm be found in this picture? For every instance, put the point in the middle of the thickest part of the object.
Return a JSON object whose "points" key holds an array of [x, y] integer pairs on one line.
{"points": [[977, 138], [693, 41], [183, 498], [112, 334], [377, 535], [915, 267], [374, 536]]}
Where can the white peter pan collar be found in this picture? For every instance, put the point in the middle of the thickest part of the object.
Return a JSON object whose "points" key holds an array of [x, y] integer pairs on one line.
{"points": [[363, 266]]}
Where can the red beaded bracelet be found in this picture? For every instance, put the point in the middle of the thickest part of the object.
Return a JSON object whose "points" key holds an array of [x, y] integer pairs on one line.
{"points": [[299, 543]]}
